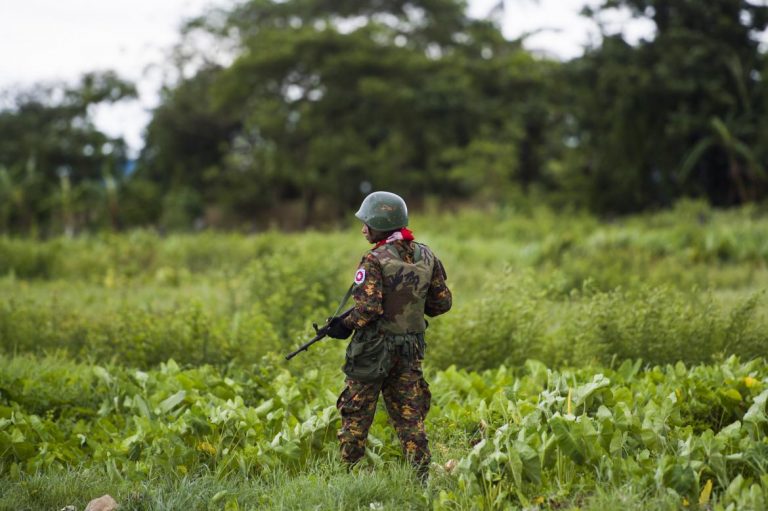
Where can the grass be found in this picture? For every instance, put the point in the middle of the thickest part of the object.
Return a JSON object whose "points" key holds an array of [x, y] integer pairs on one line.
{"points": [[324, 485], [570, 291]]}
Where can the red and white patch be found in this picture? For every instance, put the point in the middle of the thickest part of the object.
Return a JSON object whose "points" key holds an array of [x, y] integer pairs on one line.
{"points": [[360, 276]]}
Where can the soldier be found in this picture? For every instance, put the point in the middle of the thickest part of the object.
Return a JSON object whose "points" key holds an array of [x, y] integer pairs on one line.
{"points": [[397, 283]]}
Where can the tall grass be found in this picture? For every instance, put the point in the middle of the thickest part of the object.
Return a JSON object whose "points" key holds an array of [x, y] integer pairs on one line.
{"points": [[680, 285]]}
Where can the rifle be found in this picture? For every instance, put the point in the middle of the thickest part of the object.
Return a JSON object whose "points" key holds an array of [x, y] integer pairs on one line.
{"points": [[320, 332]]}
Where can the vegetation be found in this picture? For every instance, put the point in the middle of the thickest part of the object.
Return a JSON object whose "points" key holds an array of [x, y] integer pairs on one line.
{"points": [[585, 365], [590, 362], [298, 108], [250, 436]]}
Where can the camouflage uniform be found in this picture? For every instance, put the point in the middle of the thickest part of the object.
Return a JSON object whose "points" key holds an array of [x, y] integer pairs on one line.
{"points": [[401, 281]]}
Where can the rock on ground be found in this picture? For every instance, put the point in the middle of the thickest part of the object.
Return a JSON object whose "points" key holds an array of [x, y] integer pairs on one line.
{"points": [[103, 503]]}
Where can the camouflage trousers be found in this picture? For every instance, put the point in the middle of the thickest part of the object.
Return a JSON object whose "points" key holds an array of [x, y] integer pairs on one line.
{"points": [[407, 399]]}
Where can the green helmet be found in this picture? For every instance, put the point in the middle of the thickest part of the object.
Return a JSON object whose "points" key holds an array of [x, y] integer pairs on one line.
{"points": [[383, 211]]}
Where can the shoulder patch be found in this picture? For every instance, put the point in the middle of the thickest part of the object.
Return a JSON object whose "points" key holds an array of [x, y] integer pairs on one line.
{"points": [[359, 276]]}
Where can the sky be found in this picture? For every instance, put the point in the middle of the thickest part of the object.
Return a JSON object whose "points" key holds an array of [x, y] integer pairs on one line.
{"points": [[55, 40]]}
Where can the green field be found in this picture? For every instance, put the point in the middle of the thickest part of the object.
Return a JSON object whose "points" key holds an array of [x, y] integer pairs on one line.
{"points": [[587, 364]]}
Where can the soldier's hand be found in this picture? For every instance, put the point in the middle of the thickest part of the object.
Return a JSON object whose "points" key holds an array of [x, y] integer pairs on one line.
{"points": [[337, 329]]}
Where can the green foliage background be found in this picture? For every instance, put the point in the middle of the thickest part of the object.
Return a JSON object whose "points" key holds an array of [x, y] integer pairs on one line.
{"points": [[292, 110]]}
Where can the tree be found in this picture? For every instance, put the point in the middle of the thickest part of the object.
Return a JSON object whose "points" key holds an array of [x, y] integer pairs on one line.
{"points": [[51, 154], [185, 146], [326, 100], [648, 121]]}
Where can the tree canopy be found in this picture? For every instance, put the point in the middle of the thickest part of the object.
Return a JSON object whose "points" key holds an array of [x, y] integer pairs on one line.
{"points": [[678, 115], [55, 166], [326, 100], [293, 110]]}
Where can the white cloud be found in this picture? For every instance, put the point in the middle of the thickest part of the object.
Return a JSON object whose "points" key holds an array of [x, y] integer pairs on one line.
{"points": [[50, 40]]}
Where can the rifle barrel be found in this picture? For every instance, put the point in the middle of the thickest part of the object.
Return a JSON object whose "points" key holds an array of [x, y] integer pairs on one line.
{"points": [[321, 334]]}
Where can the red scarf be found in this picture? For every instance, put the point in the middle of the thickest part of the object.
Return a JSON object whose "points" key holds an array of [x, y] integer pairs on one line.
{"points": [[400, 234]]}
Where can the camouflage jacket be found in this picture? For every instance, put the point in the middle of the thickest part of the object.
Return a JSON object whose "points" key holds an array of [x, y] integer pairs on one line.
{"points": [[387, 299]]}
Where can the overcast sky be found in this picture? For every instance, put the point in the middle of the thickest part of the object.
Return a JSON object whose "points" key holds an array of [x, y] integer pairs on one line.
{"points": [[45, 40]]}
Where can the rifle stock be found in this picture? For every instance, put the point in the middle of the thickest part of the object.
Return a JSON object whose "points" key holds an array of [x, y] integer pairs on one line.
{"points": [[322, 332]]}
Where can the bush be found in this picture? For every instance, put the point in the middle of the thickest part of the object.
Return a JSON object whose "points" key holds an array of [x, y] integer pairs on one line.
{"points": [[661, 325], [503, 327]]}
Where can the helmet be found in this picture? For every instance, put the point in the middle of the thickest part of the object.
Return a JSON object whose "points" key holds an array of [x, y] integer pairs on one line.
{"points": [[383, 211]]}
